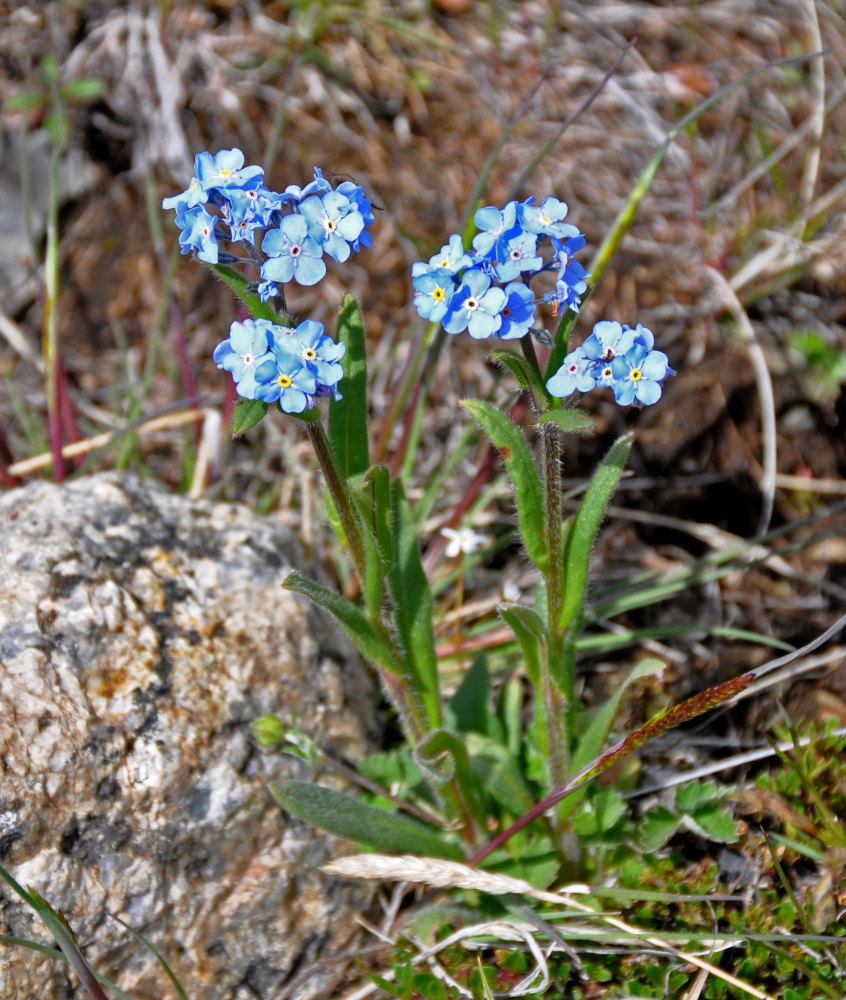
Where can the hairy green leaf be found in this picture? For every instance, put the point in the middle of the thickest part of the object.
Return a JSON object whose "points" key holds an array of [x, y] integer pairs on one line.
{"points": [[346, 817], [507, 437]]}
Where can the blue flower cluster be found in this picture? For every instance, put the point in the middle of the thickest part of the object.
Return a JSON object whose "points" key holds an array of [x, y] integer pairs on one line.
{"points": [[302, 224], [487, 292], [616, 356], [291, 365]]}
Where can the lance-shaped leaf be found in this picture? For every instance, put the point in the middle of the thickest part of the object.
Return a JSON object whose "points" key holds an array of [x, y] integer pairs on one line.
{"points": [[531, 633], [411, 600], [247, 413], [348, 415], [370, 644], [507, 437], [584, 527], [346, 817], [245, 290]]}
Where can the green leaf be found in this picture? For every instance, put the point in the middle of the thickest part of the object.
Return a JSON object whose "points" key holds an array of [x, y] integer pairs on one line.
{"points": [[523, 372], [496, 770], [716, 822], [469, 708], [507, 437], [246, 293], [370, 644], [428, 986], [585, 524], [531, 633], [346, 817], [656, 828], [247, 413], [348, 415], [411, 600], [443, 756], [569, 420], [698, 793], [87, 89]]}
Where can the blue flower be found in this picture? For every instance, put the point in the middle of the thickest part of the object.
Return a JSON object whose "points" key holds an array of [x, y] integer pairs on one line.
{"points": [[518, 312], [475, 306], [319, 185], [195, 194], [224, 170], [357, 197], [267, 290], [450, 259], [432, 294], [333, 223], [198, 233], [494, 226], [516, 254], [317, 353], [545, 219], [246, 355], [638, 374], [574, 373], [292, 253], [287, 381], [607, 341]]}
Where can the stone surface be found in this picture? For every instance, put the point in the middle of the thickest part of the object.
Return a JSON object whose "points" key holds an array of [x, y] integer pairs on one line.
{"points": [[140, 635]]}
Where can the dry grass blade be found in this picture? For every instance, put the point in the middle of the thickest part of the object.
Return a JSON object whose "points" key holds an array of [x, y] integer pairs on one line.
{"points": [[147, 426], [451, 874], [766, 396]]}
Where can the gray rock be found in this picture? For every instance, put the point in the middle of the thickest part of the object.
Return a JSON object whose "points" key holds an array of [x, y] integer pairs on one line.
{"points": [[140, 635]]}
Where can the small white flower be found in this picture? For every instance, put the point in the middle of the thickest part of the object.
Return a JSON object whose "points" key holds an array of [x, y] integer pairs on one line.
{"points": [[510, 592], [464, 540]]}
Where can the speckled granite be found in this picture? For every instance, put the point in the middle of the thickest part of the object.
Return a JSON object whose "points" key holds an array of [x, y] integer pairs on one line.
{"points": [[140, 634]]}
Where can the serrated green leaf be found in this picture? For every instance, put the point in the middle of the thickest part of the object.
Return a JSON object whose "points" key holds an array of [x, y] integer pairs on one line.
{"points": [[347, 817], [247, 413], [368, 641], [656, 828], [584, 526], [348, 415], [716, 822], [697, 793], [507, 437], [570, 420], [411, 599]]}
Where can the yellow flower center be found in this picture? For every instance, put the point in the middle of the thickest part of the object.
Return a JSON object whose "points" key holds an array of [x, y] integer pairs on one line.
{"points": [[309, 354], [438, 294], [635, 374], [284, 382]]}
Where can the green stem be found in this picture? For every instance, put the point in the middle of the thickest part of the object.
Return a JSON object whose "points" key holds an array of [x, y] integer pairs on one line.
{"points": [[556, 708], [338, 492]]}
